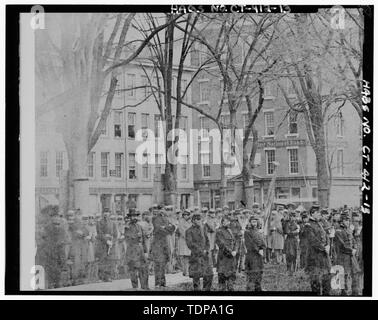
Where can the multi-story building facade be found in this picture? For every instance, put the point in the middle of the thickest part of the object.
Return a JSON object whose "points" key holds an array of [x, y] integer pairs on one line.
{"points": [[282, 138], [113, 170]]}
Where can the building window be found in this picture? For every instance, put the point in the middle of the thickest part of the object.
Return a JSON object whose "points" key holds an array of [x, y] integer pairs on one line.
{"points": [[184, 168], [205, 161], [145, 125], [91, 161], [204, 92], [147, 87], [158, 163], [340, 162], [43, 161], [270, 158], [295, 193], [205, 127], [131, 125], [225, 120], [269, 90], [293, 122], [130, 85], [59, 163], [315, 192], [293, 160], [117, 124], [145, 167], [269, 123], [104, 164], [157, 125], [132, 166], [118, 164], [340, 124]]}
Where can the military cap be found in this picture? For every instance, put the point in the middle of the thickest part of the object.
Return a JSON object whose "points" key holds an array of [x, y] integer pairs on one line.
{"points": [[304, 214], [186, 212], [211, 210], [226, 208], [204, 209], [196, 216], [324, 211], [196, 208], [290, 204], [112, 216], [254, 217], [218, 210], [285, 210], [155, 206], [133, 213], [255, 205], [168, 208]]}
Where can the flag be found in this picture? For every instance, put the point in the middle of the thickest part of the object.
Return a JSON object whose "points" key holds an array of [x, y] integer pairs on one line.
{"points": [[270, 199]]}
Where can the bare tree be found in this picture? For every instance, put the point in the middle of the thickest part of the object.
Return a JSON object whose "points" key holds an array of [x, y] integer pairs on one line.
{"points": [[75, 60]]}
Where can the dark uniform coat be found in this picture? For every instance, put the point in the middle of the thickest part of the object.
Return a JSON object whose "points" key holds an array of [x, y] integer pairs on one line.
{"points": [[318, 260], [160, 249], [254, 241], [226, 242], [291, 229], [198, 242], [344, 245], [136, 245]]}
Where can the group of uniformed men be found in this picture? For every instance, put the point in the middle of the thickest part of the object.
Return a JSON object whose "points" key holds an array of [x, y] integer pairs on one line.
{"points": [[77, 249]]}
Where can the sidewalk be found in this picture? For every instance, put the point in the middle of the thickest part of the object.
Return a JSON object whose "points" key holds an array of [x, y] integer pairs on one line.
{"points": [[125, 284]]}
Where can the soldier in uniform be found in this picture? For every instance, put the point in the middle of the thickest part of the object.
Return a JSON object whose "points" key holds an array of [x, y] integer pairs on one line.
{"points": [[236, 230], [211, 225], [254, 263], [183, 250], [318, 262], [91, 243], [200, 262], [291, 230], [160, 249], [137, 251], [346, 250], [104, 244], [226, 263], [303, 245], [148, 228]]}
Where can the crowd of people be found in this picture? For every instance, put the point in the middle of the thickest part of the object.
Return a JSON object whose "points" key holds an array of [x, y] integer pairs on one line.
{"points": [[75, 248]]}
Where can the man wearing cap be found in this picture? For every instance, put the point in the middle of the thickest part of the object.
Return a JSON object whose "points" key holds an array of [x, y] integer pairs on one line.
{"points": [[346, 250], [291, 230], [53, 244], [211, 225], [137, 251], [160, 249], [200, 261], [275, 239], [90, 239], [105, 234], [318, 262], [303, 243], [236, 230], [182, 248], [254, 262], [226, 261]]}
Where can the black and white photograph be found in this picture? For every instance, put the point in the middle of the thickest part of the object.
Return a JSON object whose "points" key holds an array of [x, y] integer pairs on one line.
{"points": [[195, 150]]}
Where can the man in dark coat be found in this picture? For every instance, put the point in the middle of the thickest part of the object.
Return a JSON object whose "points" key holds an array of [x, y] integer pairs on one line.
{"points": [[303, 243], [291, 230], [160, 250], [236, 230], [254, 262], [318, 262], [345, 248], [226, 261], [200, 266], [136, 252]]}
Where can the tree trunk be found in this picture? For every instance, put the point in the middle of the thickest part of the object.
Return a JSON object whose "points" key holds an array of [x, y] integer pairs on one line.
{"points": [[223, 186]]}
